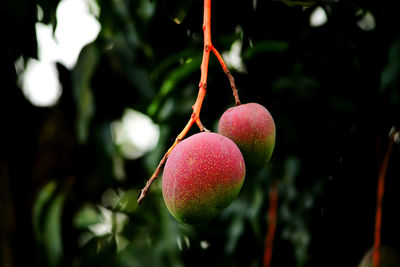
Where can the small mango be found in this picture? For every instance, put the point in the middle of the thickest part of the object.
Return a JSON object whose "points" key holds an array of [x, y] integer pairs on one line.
{"points": [[252, 128]]}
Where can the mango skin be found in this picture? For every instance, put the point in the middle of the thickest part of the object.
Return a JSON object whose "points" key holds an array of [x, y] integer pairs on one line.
{"points": [[202, 176], [252, 128]]}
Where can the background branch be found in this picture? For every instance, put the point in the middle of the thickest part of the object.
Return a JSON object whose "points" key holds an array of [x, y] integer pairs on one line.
{"points": [[380, 191], [272, 212]]}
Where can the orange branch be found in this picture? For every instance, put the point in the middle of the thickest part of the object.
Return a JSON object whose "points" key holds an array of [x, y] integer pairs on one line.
{"points": [[272, 211], [195, 117], [379, 200]]}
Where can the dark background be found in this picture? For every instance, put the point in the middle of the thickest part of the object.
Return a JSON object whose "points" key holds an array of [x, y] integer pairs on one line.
{"points": [[333, 91]]}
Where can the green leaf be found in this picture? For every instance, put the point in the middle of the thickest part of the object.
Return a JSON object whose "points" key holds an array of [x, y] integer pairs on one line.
{"points": [[265, 46], [81, 84], [171, 61], [47, 215], [128, 201], [177, 9], [172, 80], [390, 73], [235, 230], [86, 216], [52, 235], [124, 60], [41, 201]]}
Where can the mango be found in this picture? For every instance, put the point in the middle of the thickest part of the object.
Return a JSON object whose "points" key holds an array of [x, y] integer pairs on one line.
{"points": [[202, 176], [252, 128]]}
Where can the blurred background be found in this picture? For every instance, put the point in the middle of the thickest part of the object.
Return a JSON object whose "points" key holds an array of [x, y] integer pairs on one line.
{"points": [[94, 92]]}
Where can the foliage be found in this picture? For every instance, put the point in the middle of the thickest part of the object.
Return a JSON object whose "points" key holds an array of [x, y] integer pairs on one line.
{"points": [[68, 197]]}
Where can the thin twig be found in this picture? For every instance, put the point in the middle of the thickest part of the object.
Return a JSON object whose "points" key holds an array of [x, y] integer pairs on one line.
{"points": [[228, 73]]}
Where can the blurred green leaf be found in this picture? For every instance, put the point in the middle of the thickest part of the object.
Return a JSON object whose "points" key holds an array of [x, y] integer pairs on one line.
{"points": [[81, 83], [47, 213], [235, 230], [39, 206], [121, 242], [265, 46], [52, 235], [146, 9], [128, 201], [124, 53], [171, 82], [86, 216], [390, 73], [169, 62], [120, 200], [177, 9]]}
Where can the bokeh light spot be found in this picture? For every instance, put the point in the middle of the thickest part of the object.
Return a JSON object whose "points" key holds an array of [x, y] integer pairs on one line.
{"points": [[318, 17], [135, 134]]}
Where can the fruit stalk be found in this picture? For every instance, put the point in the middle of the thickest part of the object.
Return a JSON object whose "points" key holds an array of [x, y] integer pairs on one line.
{"points": [[230, 77]]}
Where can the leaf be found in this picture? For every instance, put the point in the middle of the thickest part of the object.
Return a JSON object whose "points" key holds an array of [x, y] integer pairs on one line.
{"points": [[128, 201], [235, 230], [86, 216], [124, 61], [81, 84], [265, 46], [42, 199], [52, 236], [47, 212], [170, 61], [390, 73], [177, 9], [171, 81]]}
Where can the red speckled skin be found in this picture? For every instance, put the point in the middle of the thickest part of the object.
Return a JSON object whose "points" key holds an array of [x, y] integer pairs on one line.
{"points": [[252, 128], [202, 176]]}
